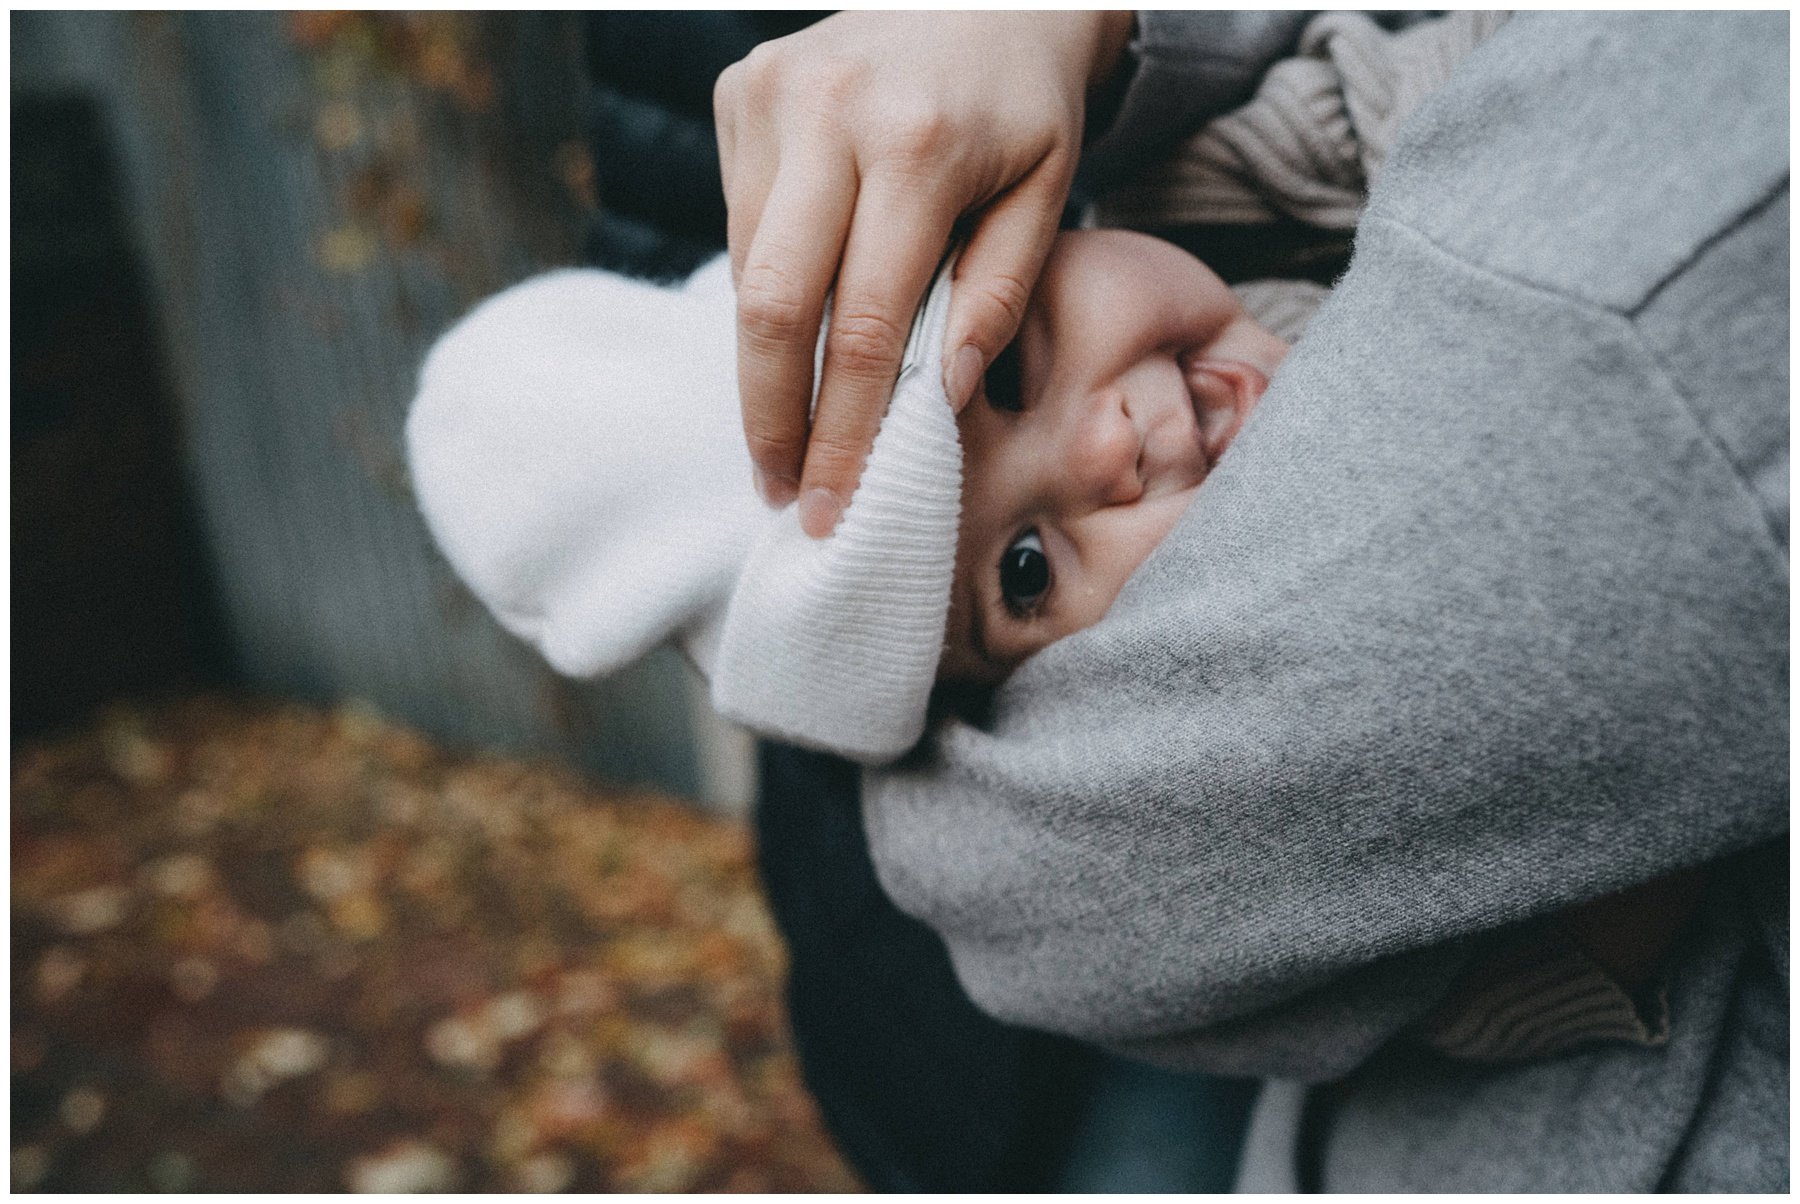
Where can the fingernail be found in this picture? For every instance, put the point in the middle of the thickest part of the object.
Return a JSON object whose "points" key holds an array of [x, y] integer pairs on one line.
{"points": [[819, 512], [965, 372], [775, 492]]}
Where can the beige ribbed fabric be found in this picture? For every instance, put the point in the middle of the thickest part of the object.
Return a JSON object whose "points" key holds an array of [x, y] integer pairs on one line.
{"points": [[1282, 307], [1314, 136], [1539, 997]]}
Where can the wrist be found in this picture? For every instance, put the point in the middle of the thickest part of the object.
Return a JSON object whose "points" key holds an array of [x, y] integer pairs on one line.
{"points": [[1089, 43]]}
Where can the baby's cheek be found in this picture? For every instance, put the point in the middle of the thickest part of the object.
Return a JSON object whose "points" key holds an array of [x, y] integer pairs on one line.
{"points": [[1150, 528], [1115, 544]]}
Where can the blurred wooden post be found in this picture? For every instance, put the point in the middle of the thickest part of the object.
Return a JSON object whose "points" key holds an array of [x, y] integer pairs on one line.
{"points": [[317, 196]]}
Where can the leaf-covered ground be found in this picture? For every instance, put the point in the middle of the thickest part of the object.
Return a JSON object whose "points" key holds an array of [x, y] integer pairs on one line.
{"points": [[258, 947]]}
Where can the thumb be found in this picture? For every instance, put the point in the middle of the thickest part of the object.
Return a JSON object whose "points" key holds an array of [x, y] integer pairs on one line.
{"points": [[994, 277]]}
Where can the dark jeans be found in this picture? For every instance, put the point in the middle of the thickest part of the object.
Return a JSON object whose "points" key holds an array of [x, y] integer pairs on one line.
{"points": [[926, 1093], [922, 1091]]}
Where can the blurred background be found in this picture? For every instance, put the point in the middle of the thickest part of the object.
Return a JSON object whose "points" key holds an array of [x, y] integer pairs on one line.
{"points": [[234, 238], [320, 880]]}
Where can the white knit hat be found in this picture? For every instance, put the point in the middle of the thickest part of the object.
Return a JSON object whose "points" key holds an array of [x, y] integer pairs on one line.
{"points": [[577, 451]]}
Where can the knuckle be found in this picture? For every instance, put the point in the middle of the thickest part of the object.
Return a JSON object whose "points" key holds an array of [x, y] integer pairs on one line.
{"points": [[837, 79], [920, 135], [834, 461], [1061, 158], [751, 82], [770, 307], [832, 450], [762, 59], [770, 449], [863, 343], [727, 90], [1008, 293]]}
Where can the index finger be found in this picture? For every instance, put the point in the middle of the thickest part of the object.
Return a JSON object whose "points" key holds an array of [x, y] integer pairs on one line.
{"points": [[895, 244], [780, 302]]}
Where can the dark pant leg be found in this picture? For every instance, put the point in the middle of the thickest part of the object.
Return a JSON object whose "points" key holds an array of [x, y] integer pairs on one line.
{"points": [[922, 1091]]}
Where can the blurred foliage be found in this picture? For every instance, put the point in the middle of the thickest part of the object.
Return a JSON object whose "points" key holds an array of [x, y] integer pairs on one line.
{"points": [[260, 947], [435, 49]]}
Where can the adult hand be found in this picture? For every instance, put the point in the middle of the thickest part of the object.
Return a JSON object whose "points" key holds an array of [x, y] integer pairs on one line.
{"points": [[849, 151]]}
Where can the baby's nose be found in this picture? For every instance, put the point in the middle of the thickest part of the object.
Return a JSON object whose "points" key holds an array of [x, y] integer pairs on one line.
{"points": [[1105, 452]]}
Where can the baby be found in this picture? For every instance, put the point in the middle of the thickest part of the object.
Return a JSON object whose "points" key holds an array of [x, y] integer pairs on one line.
{"points": [[1132, 372], [575, 448], [577, 452]]}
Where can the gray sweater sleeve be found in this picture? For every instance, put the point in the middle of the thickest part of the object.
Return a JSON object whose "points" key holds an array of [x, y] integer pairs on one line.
{"points": [[1484, 615], [1181, 70]]}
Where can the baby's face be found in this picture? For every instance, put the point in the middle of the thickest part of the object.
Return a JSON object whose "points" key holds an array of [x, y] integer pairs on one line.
{"points": [[1133, 370]]}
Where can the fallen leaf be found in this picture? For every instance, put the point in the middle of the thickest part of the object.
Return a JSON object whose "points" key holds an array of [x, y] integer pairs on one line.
{"points": [[94, 910], [83, 1109], [406, 1166], [59, 971]]}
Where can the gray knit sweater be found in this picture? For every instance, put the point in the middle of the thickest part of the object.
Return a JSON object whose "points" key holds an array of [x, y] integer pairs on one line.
{"points": [[1485, 615]]}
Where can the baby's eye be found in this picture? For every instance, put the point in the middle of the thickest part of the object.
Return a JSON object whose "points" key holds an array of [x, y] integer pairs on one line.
{"points": [[1024, 573], [1002, 380]]}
